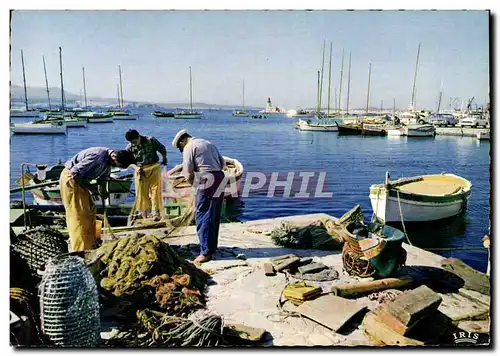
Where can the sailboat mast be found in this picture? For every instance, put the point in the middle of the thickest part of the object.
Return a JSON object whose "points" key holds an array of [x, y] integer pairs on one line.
{"points": [[336, 108], [321, 81], [318, 97], [84, 87], [121, 87], [415, 81], [118, 94], [348, 84], [440, 97], [243, 96], [341, 76], [190, 90], [368, 93], [329, 80], [62, 83], [394, 106], [24, 81], [46, 81]]}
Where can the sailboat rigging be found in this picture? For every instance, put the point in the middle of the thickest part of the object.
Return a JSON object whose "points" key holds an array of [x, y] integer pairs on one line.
{"points": [[189, 114]]}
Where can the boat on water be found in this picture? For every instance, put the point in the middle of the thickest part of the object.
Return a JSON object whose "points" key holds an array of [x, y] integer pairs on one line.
{"points": [[425, 130], [26, 112], [242, 112], [373, 130], [303, 114], [190, 114], [350, 129], [422, 198], [179, 190], [96, 117], [395, 131], [259, 117], [55, 128], [483, 135], [162, 114], [69, 121], [308, 125], [122, 115], [47, 194]]}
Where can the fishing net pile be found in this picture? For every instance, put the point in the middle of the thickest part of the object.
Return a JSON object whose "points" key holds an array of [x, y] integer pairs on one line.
{"points": [[143, 272], [325, 234], [154, 329]]}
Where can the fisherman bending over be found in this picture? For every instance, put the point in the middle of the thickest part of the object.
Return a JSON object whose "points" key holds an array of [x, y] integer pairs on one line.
{"points": [[202, 164], [75, 183], [148, 175]]}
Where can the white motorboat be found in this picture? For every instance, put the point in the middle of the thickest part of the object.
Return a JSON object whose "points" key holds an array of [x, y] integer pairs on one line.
{"points": [[425, 130], [307, 125], [396, 131], [41, 129], [422, 198]]}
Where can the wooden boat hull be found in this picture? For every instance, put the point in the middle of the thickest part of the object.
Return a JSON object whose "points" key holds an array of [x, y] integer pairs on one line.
{"points": [[305, 126], [420, 131], [373, 130], [349, 129], [419, 207], [162, 114], [191, 117], [39, 129]]}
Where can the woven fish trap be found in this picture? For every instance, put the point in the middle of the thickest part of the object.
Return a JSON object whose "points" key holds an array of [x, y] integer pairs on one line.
{"points": [[353, 260], [69, 303], [36, 246]]}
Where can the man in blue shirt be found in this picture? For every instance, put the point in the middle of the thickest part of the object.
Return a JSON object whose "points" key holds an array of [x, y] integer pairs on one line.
{"points": [[75, 183]]}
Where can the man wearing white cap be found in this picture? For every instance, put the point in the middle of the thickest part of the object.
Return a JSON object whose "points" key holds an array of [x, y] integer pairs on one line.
{"points": [[202, 166]]}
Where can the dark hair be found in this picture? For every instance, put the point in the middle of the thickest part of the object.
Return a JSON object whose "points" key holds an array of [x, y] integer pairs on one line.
{"points": [[125, 158], [131, 135]]}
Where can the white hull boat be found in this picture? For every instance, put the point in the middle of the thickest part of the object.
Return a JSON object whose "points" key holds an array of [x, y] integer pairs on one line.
{"points": [[425, 130], [395, 132], [483, 135], [423, 198], [100, 120], [122, 115], [24, 113], [40, 129], [68, 121], [306, 125], [187, 116]]}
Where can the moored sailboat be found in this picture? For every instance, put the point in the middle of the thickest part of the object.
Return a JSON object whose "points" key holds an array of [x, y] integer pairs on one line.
{"points": [[242, 112], [26, 112], [189, 114]]}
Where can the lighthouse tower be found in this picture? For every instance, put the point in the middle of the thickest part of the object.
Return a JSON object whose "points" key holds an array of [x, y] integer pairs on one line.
{"points": [[269, 105]]}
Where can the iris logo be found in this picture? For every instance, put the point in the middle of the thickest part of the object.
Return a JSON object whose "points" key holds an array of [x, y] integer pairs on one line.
{"points": [[463, 337]]}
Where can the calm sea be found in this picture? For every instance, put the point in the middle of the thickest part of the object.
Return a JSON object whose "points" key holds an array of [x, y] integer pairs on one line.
{"points": [[351, 163]]}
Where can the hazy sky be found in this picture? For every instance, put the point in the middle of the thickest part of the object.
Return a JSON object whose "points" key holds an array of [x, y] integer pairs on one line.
{"points": [[277, 53]]}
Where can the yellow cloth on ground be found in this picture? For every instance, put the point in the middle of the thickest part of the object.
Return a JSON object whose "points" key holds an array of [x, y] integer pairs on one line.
{"points": [[148, 187], [80, 213]]}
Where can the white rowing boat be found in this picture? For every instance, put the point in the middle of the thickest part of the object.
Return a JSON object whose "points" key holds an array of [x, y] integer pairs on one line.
{"points": [[425, 130], [307, 125], [41, 129], [422, 198]]}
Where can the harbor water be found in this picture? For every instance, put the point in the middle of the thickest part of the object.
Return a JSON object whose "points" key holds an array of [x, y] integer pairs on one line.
{"points": [[351, 163]]}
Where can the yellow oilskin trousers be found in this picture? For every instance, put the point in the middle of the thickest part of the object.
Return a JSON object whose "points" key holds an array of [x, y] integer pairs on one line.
{"points": [[80, 213], [148, 187]]}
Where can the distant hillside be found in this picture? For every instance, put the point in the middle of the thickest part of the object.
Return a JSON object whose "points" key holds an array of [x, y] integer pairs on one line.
{"points": [[38, 95]]}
